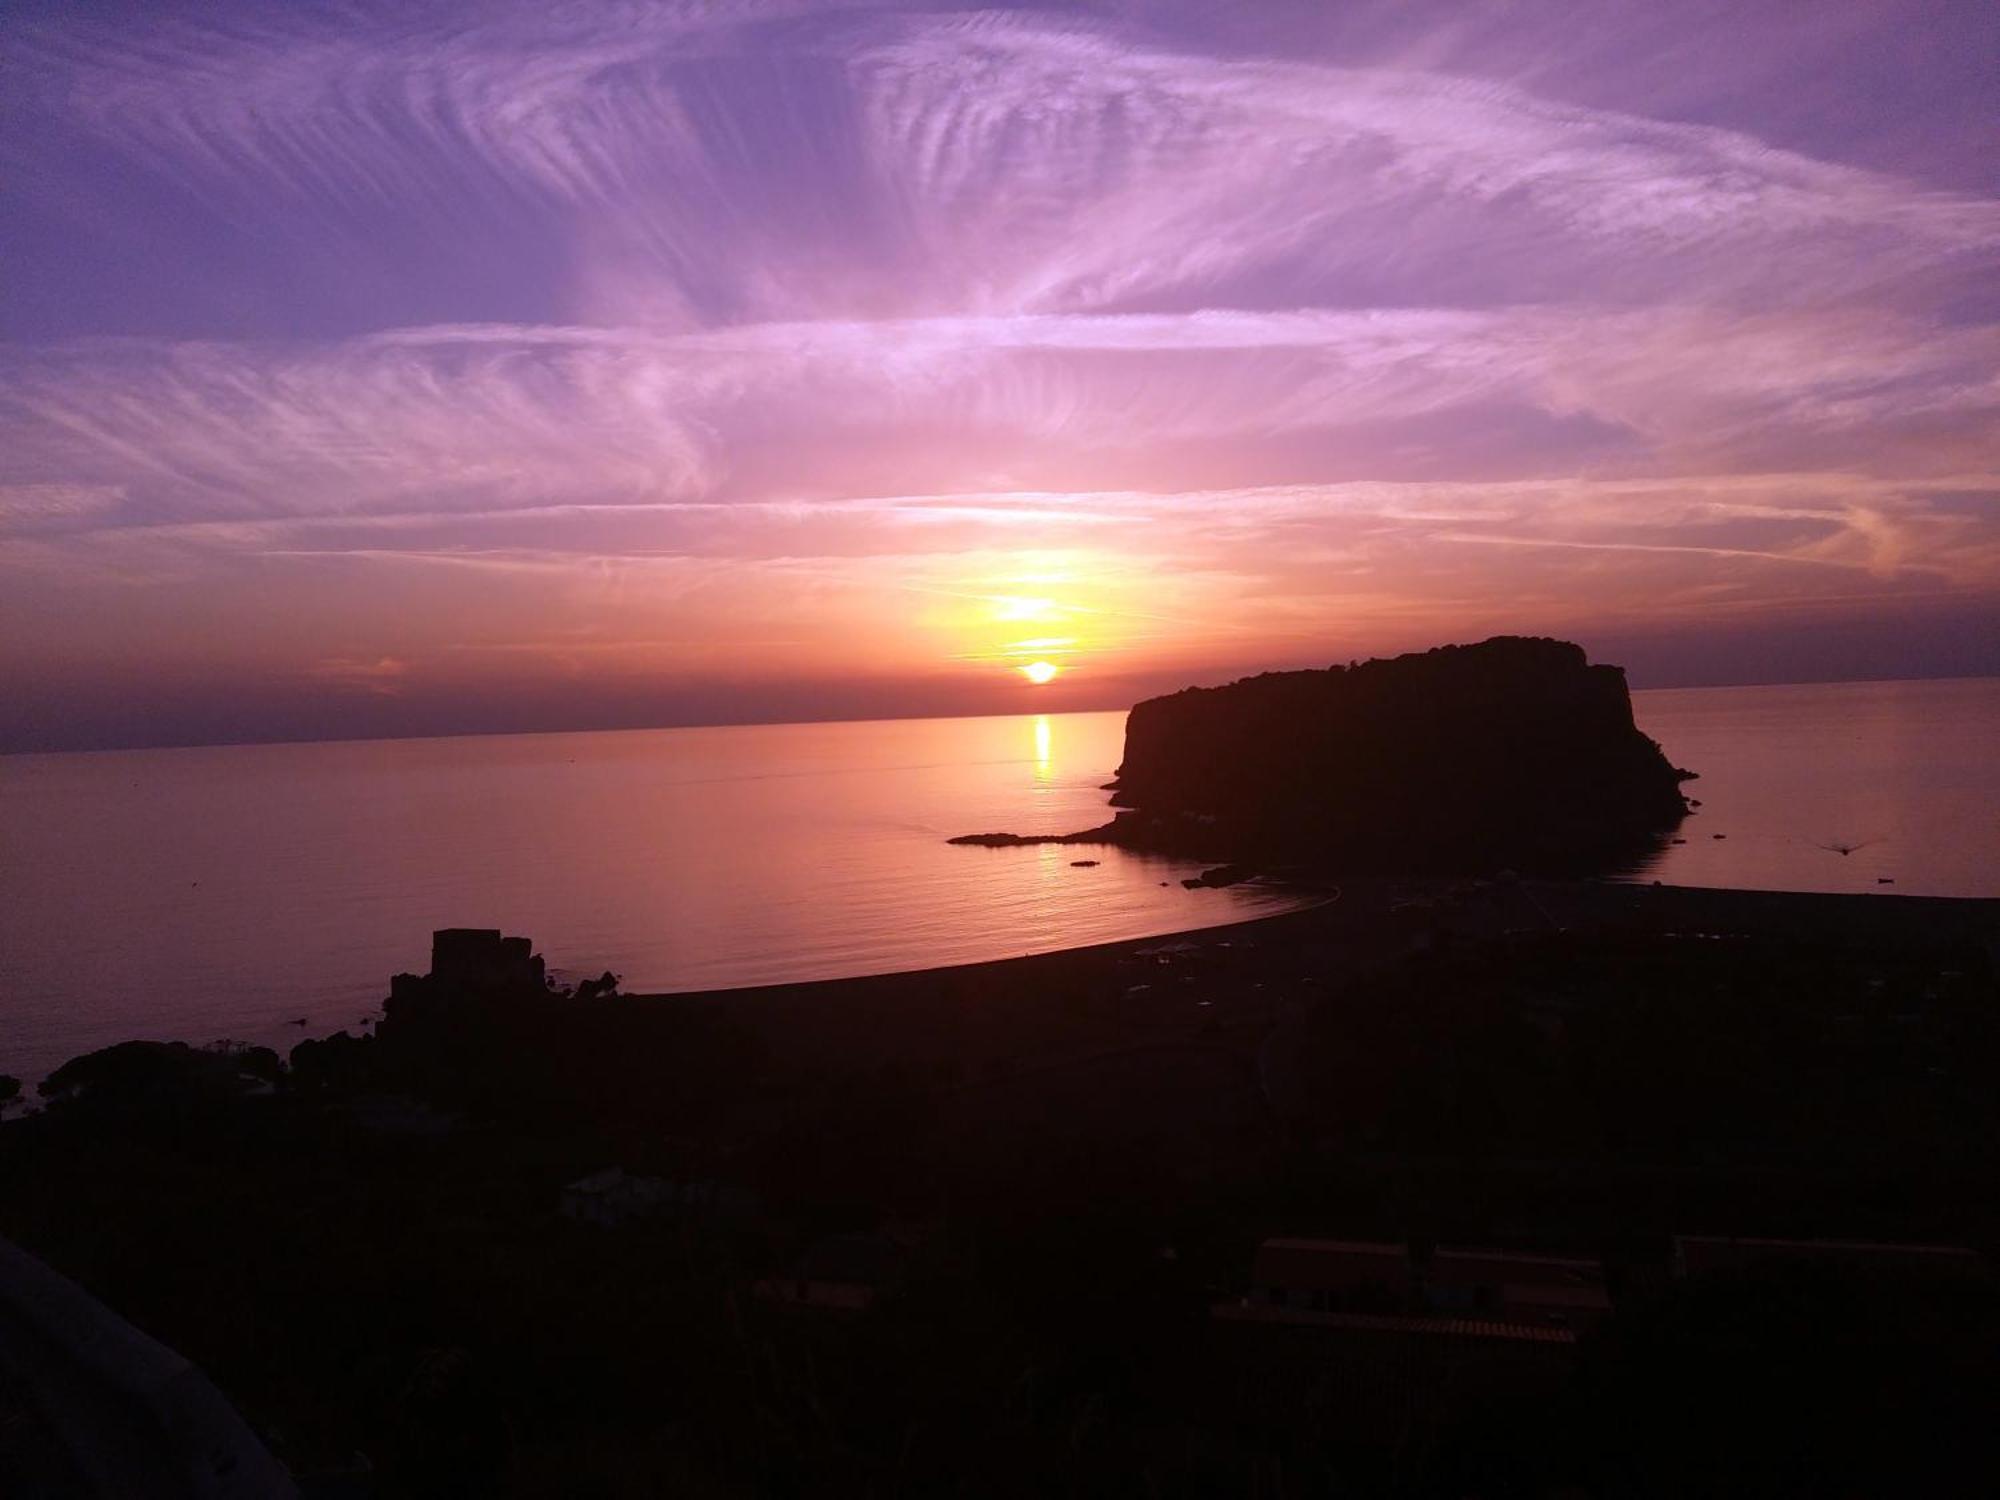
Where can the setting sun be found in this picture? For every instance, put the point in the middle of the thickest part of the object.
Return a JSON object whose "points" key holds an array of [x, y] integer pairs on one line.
{"points": [[1039, 672]]}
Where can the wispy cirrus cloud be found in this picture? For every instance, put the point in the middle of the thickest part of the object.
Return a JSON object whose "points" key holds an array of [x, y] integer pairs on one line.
{"points": [[485, 418], [678, 322], [1261, 179], [383, 676], [785, 160]]}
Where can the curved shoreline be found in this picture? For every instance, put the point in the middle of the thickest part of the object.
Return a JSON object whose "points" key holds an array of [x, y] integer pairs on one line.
{"points": [[362, 994], [1006, 1004], [1795, 912], [1239, 979], [1034, 955]]}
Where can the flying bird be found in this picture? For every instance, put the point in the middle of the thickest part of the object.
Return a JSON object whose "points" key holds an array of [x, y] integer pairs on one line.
{"points": [[1838, 847]]}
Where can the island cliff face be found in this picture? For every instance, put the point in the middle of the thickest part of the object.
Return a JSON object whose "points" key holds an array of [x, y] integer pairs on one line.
{"points": [[1514, 753]]}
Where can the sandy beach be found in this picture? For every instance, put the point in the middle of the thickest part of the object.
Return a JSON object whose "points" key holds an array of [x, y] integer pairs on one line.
{"points": [[1220, 984]]}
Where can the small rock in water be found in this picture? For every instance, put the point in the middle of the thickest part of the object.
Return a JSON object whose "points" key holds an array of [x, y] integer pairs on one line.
{"points": [[1718, 835], [1220, 875], [1885, 880]]}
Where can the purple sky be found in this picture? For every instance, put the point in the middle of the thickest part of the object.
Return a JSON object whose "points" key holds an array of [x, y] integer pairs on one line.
{"points": [[415, 368]]}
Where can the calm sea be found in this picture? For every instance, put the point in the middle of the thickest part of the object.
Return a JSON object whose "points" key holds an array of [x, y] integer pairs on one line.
{"points": [[229, 892]]}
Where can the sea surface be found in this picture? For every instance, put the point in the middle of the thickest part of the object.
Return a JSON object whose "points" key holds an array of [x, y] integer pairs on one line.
{"points": [[1903, 776], [236, 891]]}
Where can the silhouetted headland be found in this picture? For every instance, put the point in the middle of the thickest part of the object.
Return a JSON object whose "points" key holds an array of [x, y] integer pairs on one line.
{"points": [[1513, 753]]}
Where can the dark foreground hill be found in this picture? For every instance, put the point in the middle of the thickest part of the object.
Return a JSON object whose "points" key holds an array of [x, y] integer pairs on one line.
{"points": [[1513, 752], [995, 1230]]}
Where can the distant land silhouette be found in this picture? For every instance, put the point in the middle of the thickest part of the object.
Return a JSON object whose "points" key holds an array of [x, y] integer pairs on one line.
{"points": [[1515, 752]]}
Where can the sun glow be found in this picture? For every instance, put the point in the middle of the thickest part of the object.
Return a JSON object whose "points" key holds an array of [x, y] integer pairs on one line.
{"points": [[1014, 618], [1012, 607]]}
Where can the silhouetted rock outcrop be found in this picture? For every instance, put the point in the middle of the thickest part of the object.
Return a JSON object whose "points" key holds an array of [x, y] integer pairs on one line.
{"points": [[485, 1034], [160, 1076], [338, 1061], [1220, 876], [1513, 752], [606, 984]]}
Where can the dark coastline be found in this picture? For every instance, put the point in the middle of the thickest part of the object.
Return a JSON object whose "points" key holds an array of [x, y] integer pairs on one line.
{"points": [[870, 1011], [380, 1254]]}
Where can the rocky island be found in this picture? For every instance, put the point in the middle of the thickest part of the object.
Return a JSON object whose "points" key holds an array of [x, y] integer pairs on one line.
{"points": [[1515, 752]]}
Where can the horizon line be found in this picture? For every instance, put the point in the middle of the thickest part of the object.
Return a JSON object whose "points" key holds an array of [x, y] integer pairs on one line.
{"points": [[903, 718]]}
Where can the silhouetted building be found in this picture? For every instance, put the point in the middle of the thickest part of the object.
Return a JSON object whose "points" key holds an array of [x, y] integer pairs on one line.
{"points": [[1346, 1340], [1305, 1275], [1504, 1286], [480, 959], [467, 964], [1698, 1254], [1309, 1276]]}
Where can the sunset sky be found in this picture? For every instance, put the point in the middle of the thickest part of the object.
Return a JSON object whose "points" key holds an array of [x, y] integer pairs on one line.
{"points": [[416, 368]]}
